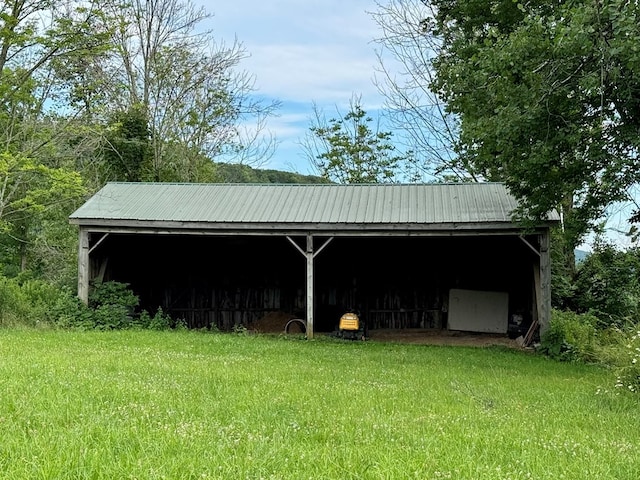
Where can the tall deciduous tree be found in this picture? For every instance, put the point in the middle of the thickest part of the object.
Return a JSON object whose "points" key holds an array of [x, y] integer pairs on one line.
{"points": [[405, 78], [189, 87], [347, 149], [35, 37], [548, 97]]}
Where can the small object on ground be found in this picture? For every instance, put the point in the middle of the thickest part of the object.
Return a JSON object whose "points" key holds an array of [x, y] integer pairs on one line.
{"points": [[351, 327], [296, 323]]}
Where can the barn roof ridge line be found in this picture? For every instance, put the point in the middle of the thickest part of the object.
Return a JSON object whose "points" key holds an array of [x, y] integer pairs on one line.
{"points": [[283, 184]]}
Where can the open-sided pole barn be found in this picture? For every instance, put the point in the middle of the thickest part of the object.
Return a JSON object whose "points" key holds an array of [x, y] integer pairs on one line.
{"points": [[427, 255]]}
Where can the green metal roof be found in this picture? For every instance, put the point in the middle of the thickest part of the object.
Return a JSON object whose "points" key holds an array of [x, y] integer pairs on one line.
{"points": [[273, 205]]}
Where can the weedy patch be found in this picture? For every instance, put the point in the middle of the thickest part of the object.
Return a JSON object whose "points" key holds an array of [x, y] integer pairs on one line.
{"points": [[628, 374]]}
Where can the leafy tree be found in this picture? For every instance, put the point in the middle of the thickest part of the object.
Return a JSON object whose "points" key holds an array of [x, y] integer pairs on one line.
{"points": [[548, 97], [607, 285], [563, 270], [52, 253], [28, 191], [346, 149], [404, 78], [36, 37], [127, 145], [186, 85]]}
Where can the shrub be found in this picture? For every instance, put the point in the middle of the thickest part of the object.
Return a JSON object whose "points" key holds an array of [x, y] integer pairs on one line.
{"points": [[40, 297], [112, 293], [113, 305], [9, 301], [611, 346], [70, 312], [160, 321], [239, 329], [570, 336], [28, 303]]}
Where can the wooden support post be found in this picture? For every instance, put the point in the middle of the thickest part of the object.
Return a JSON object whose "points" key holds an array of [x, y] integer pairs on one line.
{"points": [[310, 255], [541, 288], [544, 315], [83, 266], [310, 301], [537, 306], [537, 287]]}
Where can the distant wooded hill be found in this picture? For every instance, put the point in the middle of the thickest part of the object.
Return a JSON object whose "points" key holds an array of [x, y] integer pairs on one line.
{"points": [[236, 173], [581, 255]]}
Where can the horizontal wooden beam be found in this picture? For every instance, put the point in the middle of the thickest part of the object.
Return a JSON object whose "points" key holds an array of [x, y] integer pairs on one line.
{"points": [[296, 233], [302, 228]]}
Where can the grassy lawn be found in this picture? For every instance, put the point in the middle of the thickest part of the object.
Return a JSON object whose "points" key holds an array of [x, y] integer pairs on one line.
{"points": [[187, 405]]}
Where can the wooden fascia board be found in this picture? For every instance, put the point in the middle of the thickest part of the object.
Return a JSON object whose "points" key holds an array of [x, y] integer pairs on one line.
{"points": [[400, 229]]}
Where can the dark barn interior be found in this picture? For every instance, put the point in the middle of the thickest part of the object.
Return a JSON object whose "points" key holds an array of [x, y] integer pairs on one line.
{"points": [[393, 281]]}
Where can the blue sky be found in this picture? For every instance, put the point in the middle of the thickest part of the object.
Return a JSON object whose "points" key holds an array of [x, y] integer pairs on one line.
{"points": [[302, 52]]}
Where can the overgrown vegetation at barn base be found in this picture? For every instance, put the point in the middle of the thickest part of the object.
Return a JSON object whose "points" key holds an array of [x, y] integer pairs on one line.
{"points": [[112, 306], [570, 337], [28, 302], [574, 337]]}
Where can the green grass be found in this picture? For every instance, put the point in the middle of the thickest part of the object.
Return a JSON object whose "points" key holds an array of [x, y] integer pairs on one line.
{"points": [[187, 405]]}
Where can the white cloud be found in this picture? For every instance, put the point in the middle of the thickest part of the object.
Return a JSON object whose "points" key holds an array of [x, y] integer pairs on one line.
{"points": [[289, 126], [306, 73], [302, 53]]}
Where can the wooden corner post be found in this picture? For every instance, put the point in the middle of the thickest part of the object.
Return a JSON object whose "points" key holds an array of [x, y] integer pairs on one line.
{"points": [[83, 266], [544, 314]]}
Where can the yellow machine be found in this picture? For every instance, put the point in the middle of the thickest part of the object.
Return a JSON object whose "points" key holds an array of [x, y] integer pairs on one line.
{"points": [[351, 327]]}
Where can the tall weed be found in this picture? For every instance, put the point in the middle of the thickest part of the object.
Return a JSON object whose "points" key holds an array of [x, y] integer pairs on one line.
{"points": [[26, 303], [628, 373]]}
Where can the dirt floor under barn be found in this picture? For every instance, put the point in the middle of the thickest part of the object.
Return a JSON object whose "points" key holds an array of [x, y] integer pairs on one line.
{"points": [[275, 322]]}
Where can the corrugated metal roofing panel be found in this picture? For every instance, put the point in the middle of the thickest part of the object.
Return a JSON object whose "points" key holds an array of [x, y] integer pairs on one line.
{"points": [[301, 204]]}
